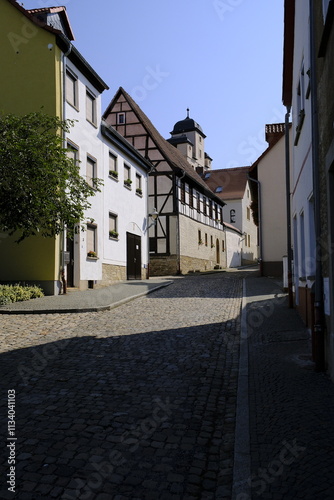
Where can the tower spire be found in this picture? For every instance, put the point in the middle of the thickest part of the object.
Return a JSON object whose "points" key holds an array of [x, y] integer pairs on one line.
{"points": [[187, 112]]}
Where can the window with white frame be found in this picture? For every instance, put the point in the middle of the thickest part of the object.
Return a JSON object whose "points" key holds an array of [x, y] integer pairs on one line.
{"points": [[232, 216], [113, 165], [91, 240], [71, 89], [113, 225], [91, 171], [138, 184], [90, 107]]}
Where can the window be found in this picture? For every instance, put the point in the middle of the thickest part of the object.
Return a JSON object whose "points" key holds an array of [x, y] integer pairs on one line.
{"points": [[72, 152], [248, 213], [211, 241], [191, 197], [247, 193], [221, 214], [120, 118], [204, 205], [90, 107], [198, 202], [210, 209], [248, 240], [71, 88], [183, 192], [223, 246], [91, 240], [232, 216], [200, 237], [138, 185], [219, 189], [206, 239], [300, 103], [113, 229], [113, 165], [91, 171], [127, 176], [207, 175]]}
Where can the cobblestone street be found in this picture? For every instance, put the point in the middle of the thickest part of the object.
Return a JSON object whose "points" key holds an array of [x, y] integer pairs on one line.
{"points": [[134, 403]]}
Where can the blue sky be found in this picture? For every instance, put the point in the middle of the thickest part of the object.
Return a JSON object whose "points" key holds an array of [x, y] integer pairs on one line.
{"points": [[220, 58]]}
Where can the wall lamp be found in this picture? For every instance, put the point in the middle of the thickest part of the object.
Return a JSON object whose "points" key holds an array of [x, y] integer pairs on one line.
{"points": [[154, 216]]}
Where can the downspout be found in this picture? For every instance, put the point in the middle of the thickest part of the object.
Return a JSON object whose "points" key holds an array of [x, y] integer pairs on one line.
{"points": [[288, 204], [260, 222], [64, 56], [318, 331]]}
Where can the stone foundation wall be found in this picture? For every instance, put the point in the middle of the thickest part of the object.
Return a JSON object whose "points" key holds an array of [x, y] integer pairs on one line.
{"points": [[163, 265], [192, 264], [111, 274]]}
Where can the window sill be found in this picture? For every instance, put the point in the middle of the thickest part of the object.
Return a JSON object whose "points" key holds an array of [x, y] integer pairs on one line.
{"points": [[72, 105], [128, 187], [92, 123], [113, 177], [139, 194], [92, 258], [114, 238]]}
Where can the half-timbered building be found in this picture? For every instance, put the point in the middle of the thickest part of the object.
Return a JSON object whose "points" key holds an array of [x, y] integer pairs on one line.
{"points": [[189, 233]]}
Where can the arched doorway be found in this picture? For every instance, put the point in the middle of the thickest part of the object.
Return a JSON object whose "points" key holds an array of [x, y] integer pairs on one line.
{"points": [[217, 251]]}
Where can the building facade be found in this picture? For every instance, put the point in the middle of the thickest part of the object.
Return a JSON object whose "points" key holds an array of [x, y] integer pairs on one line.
{"points": [[189, 212]]}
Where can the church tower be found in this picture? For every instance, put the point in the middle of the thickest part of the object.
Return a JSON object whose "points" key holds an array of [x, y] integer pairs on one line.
{"points": [[188, 137]]}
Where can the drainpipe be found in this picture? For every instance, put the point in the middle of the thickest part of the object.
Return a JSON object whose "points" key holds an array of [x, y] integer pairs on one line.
{"points": [[318, 331], [260, 222], [64, 282], [288, 204]]}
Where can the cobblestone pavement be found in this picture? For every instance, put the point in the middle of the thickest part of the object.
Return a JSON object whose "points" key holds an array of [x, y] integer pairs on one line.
{"points": [[291, 406], [133, 403]]}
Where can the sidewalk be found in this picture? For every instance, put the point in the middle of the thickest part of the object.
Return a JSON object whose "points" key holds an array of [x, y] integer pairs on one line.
{"points": [[288, 449], [88, 300]]}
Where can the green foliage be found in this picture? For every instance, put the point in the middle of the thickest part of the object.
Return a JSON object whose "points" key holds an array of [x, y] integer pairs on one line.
{"points": [[41, 189], [17, 293]]}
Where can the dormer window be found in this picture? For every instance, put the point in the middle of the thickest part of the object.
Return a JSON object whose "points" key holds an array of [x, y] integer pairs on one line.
{"points": [[219, 189], [207, 175]]}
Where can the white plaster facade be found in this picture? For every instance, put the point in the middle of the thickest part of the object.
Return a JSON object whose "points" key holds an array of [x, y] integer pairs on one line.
{"points": [[117, 200], [302, 208], [238, 213]]}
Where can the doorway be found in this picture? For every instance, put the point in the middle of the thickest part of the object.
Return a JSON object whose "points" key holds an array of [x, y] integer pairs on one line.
{"points": [[133, 256], [70, 265]]}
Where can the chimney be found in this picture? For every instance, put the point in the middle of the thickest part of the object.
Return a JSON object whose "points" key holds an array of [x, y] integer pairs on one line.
{"points": [[274, 132]]}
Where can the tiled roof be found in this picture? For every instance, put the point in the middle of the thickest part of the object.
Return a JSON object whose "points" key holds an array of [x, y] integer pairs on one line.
{"points": [[55, 10], [171, 154], [232, 180], [233, 228]]}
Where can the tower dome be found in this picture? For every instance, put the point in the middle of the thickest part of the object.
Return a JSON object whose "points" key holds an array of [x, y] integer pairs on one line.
{"points": [[187, 125]]}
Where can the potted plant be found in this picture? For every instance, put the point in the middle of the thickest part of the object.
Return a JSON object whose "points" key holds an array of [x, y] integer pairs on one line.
{"points": [[92, 254], [113, 173], [139, 191], [113, 234], [128, 182]]}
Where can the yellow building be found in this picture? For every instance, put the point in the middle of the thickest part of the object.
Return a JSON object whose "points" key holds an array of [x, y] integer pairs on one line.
{"points": [[32, 57]]}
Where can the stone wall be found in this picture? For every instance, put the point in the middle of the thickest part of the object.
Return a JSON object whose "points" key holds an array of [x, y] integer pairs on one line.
{"points": [[163, 265], [111, 274], [192, 264]]}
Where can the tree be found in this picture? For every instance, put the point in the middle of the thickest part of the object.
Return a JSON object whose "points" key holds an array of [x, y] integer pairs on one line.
{"points": [[41, 189]]}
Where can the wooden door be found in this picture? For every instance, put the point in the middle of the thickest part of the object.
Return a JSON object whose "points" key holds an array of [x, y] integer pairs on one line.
{"points": [[133, 256], [70, 265]]}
